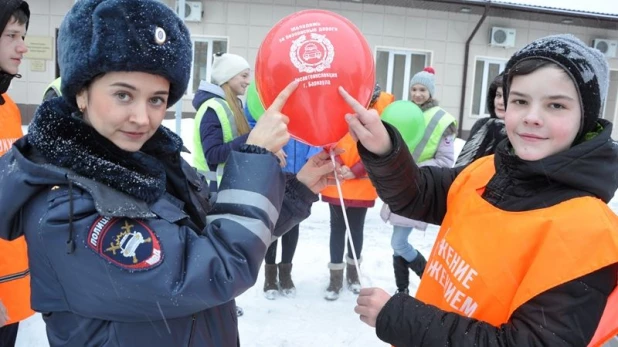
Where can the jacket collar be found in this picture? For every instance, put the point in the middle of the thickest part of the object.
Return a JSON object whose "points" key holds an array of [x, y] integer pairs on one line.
{"points": [[63, 138], [590, 167]]}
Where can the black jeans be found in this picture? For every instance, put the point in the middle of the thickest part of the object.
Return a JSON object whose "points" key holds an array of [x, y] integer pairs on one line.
{"points": [[289, 241], [356, 218], [8, 335]]}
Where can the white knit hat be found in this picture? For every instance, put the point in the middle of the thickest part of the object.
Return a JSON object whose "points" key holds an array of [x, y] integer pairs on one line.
{"points": [[225, 66]]}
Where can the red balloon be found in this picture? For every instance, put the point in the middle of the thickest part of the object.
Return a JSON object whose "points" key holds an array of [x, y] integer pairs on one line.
{"points": [[322, 50]]}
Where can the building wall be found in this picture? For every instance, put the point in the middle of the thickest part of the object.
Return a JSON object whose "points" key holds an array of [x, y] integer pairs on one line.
{"points": [[246, 23]]}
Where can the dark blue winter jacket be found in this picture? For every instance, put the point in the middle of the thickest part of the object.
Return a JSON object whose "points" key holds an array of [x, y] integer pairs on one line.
{"points": [[215, 150], [126, 249]]}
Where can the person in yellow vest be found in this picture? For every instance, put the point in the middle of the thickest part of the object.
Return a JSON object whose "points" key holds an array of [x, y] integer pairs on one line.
{"points": [[527, 253], [53, 89], [358, 195], [14, 271], [220, 123], [436, 148]]}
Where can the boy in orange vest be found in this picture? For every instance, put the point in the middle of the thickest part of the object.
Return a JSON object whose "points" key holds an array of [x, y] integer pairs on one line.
{"points": [[527, 253], [14, 274]]}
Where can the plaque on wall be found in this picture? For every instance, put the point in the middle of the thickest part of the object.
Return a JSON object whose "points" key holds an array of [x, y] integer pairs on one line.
{"points": [[39, 47], [37, 65]]}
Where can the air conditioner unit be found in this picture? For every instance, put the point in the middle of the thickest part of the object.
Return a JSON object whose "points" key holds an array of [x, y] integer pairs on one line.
{"points": [[193, 11], [608, 47], [502, 37]]}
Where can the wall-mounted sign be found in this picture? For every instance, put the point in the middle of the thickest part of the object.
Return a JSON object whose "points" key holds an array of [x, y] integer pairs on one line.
{"points": [[37, 65], [40, 47]]}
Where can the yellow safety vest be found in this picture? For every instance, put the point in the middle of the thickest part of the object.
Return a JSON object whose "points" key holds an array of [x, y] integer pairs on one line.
{"points": [[230, 132]]}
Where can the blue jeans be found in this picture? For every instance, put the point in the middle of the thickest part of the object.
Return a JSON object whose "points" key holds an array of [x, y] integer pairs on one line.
{"points": [[400, 244]]}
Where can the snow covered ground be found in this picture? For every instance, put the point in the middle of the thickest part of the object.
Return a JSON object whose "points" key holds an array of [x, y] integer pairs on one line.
{"points": [[307, 319]]}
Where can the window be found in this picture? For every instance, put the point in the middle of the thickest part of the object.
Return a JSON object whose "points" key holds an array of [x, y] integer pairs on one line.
{"points": [[395, 68], [486, 71], [611, 104], [203, 50]]}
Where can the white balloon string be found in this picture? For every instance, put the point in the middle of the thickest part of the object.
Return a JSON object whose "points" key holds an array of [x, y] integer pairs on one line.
{"points": [[347, 224]]}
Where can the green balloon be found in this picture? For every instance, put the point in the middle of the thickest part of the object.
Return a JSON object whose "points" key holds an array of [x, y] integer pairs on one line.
{"points": [[253, 102], [408, 118]]}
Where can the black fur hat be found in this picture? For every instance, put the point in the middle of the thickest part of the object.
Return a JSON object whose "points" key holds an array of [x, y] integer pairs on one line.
{"points": [[99, 36]]}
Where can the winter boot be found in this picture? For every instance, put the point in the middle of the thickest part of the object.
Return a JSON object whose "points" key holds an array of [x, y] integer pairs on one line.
{"points": [[418, 265], [336, 281], [271, 286], [286, 285], [402, 274], [352, 275]]}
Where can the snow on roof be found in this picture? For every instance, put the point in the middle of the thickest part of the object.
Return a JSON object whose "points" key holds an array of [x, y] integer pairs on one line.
{"points": [[603, 8]]}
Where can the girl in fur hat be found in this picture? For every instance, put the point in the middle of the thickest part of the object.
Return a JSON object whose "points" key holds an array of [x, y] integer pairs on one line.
{"points": [[125, 245]]}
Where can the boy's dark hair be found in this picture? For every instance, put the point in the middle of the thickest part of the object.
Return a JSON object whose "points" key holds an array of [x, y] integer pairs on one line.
{"points": [[528, 66], [14, 10], [20, 16]]}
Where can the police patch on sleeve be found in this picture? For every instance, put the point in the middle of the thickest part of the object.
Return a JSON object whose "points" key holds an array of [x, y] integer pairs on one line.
{"points": [[127, 243]]}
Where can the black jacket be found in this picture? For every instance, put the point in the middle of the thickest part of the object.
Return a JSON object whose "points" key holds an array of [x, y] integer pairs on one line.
{"points": [[486, 133], [567, 314], [485, 136]]}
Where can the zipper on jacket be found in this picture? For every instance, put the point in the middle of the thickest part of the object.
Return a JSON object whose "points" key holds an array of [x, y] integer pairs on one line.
{"points": [[14, 276], [192, 330]]}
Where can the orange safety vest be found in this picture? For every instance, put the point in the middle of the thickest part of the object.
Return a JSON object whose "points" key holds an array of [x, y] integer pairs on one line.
{"points": [[14, 272], [359, 188], [10, 124], [383, 100], [487, 262]]}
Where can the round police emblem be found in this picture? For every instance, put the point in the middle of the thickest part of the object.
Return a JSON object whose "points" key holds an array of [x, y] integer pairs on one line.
{"points": [[160, 35], [127, 243]]}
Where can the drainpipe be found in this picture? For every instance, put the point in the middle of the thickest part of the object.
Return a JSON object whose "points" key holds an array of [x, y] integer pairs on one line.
{"points": [[465, 72], [178, 113]]}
